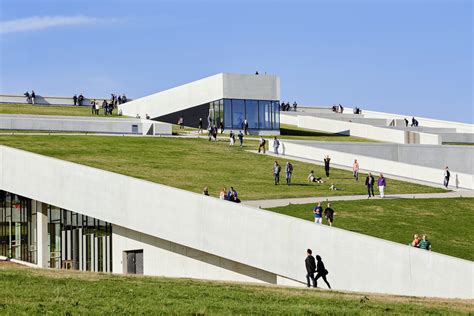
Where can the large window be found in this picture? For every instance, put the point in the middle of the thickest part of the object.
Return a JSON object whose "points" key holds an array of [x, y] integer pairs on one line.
{"points": [[233, 112], [238, 113], [227, 113]]}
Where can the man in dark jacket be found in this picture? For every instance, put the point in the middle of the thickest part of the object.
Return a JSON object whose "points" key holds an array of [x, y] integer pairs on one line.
{"points": [[327, 161], [369, 183], [447, 175], [310, 268]]}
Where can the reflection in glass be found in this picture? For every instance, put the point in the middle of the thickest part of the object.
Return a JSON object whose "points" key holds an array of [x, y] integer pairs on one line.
{"points": [[252, 113], [238, 113]]}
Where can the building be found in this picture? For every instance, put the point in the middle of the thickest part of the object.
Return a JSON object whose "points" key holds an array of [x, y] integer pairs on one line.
{"points": [[226, 98], [52, 214]]}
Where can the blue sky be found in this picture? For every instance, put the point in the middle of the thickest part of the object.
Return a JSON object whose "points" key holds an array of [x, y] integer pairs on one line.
{"points": [[408, 57]]}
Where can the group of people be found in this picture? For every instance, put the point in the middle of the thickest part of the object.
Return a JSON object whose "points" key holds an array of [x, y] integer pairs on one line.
{"points": [[285, 107], [30, 97], [277, 169], [338, 108], [107, 107], [421, 241], [315, 266], [240, 135], [357, 110], [328, 213], [232, 195], [78, 100], [414, 122]]}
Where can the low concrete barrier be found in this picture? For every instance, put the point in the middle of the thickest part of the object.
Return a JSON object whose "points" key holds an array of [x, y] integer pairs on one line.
{"points": [[47, 100], [84, 124]]}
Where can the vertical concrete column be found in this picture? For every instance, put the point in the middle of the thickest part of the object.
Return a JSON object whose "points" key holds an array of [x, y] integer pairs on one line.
{"points": [[42, 231]]}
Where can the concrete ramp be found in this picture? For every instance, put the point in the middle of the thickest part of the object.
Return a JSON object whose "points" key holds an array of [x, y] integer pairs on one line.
{"points": [[204, 237]]}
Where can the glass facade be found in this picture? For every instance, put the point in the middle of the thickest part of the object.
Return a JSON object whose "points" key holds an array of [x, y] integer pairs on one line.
{"points": [[75, 241], [260, 114], [17, 228]]}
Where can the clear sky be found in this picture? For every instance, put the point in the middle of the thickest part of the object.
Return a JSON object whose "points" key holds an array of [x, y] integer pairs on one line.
{"points": [[408, 57]]}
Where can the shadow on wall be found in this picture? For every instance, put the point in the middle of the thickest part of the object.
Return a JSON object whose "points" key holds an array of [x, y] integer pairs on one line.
{"points": [[190, 254]]}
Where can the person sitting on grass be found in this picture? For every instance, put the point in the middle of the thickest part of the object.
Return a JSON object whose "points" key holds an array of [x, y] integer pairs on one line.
{"points": [[416, 241], [334, 188], [223, 194], [313, 178], [425, 243]]}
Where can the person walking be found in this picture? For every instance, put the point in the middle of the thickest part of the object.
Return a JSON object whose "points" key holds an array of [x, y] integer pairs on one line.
{"points": [[200, 126], [321, 272], [262, 144], [369, 182], [27, 96], [327, 160], [318, 213], [74, 100], [276, 172], [241, 138], [231, 138], [355, 170], [276, 144], [246, 127], [288, 172], [381, 183], [329, 213], [33, 97], [181, 122], [310, 264], [80, 99], [92, 107], [447, 175]]}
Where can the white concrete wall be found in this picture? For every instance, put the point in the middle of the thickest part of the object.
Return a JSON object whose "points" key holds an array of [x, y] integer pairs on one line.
{"points": [[165, 258], [428, 122], [356, 129], [257, 238], [82, 124], [202, 91], [374, 164]]}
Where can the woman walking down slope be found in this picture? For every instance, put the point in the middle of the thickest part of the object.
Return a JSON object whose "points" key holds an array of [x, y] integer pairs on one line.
{"points": [[382, 183]]}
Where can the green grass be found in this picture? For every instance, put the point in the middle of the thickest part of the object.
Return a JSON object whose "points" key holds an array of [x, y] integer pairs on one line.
{"points": [[36, 291], [28, 109], [191, 164], [297, 133], [447, 222]]}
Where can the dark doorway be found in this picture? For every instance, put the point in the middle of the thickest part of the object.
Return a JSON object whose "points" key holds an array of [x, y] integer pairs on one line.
{"points": [[134, 262]]}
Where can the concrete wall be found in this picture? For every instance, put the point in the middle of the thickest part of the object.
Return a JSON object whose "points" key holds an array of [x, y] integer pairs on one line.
{"points": [[428, 122], [260, 239], [46, 100], [370, 162], [202, 91], [84, 124], [165, 258], [358, 129]]}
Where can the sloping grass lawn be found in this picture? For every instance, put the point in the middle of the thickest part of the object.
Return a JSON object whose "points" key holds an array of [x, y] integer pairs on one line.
{"points": [[192, 164], [28, 109], [447, 222], [37, 291], [297, 133]]}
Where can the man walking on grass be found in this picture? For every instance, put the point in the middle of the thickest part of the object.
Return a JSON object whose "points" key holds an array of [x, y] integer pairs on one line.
{"points": [[369, 182], [276, 172], [310, 268]]}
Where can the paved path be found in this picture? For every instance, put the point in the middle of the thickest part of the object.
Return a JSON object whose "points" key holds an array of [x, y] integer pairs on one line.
{"points": [[306, 200]]}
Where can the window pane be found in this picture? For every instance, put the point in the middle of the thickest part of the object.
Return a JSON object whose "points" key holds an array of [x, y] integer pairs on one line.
{"points": [[227, 114], [276, 115], [238, 113], [252, 113], [264, 108]]}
